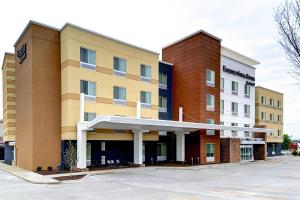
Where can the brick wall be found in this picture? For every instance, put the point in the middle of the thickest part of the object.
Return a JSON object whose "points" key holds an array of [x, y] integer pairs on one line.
{"points": [[230, 150]]}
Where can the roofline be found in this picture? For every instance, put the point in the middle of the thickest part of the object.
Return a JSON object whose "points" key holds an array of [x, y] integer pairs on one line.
{"points": [[81, 28], [6, 53], [110, 38], [35, 23], [191, 35], [255, 62], [268, 89], [167, 63]]}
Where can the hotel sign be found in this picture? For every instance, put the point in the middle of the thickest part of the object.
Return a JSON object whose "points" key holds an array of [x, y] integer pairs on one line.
{"points": [[21, 53], [240, 74]]}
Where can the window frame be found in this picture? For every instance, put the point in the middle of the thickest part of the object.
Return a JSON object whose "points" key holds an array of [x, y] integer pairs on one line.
{"points": [[118, 71], [162, 77], [233, 84], [210, 107], [222, 84], [87, 65], [88, 96], [119, 101], [247, 114], [233, 112], [161, 108], [145, 78], [145, 104], [86, 116], [210, 83], [210, 152], [247, 88]]}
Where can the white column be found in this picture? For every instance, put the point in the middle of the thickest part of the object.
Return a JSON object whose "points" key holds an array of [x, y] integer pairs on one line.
{"points": [[81, 107], [138, 147], [138, 109], [180, 146], [81, 148], [180, 118]]}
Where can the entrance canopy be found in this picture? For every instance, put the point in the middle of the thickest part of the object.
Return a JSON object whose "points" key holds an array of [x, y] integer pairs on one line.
{"points": [[139, 124]]}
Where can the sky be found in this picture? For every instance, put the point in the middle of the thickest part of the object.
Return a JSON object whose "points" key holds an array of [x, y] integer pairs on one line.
{"points": [[244, 26]]}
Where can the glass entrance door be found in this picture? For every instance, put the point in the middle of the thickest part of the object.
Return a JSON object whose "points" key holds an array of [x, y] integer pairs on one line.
{"points": [[247, 152], [88, 154]]}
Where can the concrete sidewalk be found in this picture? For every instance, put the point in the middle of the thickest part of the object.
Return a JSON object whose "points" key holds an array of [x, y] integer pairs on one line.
{"points": [[27, 175]]}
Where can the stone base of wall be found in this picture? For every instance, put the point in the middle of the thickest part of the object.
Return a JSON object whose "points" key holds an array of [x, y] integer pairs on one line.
{"points": [[230, 150]]}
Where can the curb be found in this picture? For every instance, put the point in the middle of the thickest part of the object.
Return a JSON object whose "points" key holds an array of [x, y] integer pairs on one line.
{"points": [[27, 175]]}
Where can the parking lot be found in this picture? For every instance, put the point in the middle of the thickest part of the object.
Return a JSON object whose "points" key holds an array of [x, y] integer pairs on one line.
{"points": [[277, 178]]}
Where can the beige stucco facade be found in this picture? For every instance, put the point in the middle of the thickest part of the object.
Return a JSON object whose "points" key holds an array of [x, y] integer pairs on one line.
{"points": [[276, 110], [72, 39], [9, 97]]}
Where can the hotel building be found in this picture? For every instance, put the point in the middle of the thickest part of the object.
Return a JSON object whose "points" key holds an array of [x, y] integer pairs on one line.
{"points": [[269, 114], [115, 101], [237, 105]]}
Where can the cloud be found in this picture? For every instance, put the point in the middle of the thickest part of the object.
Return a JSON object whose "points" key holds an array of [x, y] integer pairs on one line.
{"points": [[245, 26]]}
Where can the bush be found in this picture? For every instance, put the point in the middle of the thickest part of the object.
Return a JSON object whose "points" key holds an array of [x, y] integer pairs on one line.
{"points": [[294, 153]]}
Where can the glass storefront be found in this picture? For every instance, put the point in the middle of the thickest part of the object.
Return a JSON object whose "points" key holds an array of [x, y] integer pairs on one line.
{"points": [[247, 152]]}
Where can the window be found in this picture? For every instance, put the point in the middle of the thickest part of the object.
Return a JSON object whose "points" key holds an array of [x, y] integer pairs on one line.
{"points": [[272, 117], [89, 116], [263, 100], [210, 78], [119, 66], [247, 110], [279, 133], [163, 79], [145, 72], [247, 133], [279, 118], [210, 152], [271, 102], [247, 91], [119, 95], [234, 108], [234, 87], [234, 133], [222, 106], [263, 116], [162, 104], [210, 102], [161, 149], [103, 146], [87, 58], [145, 99], [89, 89], [279, 104], [210, 132], [222, 84]]}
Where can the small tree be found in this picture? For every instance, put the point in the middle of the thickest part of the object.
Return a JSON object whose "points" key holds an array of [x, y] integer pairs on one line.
{"points": [[70, 156], [286, 141]]}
